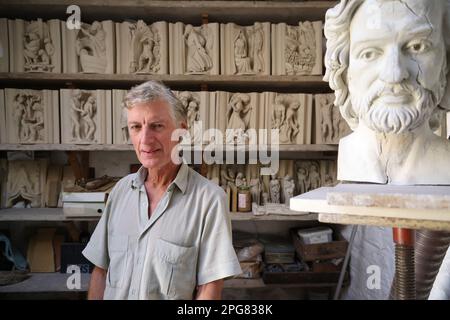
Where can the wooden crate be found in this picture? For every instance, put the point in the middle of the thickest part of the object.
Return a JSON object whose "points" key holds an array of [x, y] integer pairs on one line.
{"points": [[306, 277], [320, 251]]}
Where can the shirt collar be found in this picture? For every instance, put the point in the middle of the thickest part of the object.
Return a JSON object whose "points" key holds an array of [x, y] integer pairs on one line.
{"points": [[180, 180]]}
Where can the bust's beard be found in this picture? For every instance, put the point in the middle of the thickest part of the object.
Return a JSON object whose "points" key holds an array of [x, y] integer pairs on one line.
{"points": [[389, 119]]}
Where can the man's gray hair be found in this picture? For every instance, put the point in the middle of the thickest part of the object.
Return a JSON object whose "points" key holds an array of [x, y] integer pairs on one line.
{"points": [[337, 33], [152, 91]]}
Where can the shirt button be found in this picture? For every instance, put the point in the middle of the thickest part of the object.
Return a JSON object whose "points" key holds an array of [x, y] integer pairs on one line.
{"points": [[133, 292]]}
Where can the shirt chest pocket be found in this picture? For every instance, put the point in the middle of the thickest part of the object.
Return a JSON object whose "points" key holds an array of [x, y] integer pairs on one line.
{"points": [[118, 246], [175, 269]]}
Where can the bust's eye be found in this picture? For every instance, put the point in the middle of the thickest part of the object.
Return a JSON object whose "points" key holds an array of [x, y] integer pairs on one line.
{"points": [[369, 54], [418, 46]]}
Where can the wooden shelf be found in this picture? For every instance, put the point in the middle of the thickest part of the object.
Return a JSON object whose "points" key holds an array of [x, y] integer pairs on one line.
{"points": [[65, 147], [56, 283], [45, 283], [248, 216], [305, 84], [241, 12], [259, 283], [38, 214], [116, 147], [56, 214]]}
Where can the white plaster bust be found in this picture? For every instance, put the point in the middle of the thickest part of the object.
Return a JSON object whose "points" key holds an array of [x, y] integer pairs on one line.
{"points": [[387, 62]]}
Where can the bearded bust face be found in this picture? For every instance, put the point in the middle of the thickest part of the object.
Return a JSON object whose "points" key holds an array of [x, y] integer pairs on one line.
{"points": [[397, 64]]}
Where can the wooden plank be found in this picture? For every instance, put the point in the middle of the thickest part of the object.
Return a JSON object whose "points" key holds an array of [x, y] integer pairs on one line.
{"points": [[339, 218], [46, 283], [56, 214], [243, 12], [176, 82], [57, 283], [373, 195], [65, 147], [37, 214], [125, 147], [243, 216], [315, 201]]}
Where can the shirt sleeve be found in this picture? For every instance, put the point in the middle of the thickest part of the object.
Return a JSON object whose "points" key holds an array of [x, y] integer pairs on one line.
{"points": [[217, 258], [96, 250]]}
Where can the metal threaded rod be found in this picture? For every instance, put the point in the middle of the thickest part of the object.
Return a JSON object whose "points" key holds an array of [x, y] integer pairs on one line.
{"points": [[405, 282], [430, 249]]}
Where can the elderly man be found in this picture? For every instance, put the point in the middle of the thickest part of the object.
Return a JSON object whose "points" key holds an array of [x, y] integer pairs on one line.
{"points": [[165, 232], [387, 62]]}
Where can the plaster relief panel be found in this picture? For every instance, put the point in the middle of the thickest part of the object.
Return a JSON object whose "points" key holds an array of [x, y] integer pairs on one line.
{"points": [[328, 172], [297, 50], [2, 117], [194, 50], [90, 49], [120, 117], [35, 46], [330, 125], [142, 48], [240, 112], [26, 183], [4, 45], [291, 115], [32, 116], [198, 106], [308, 175], [86, 116], [245, 50]]}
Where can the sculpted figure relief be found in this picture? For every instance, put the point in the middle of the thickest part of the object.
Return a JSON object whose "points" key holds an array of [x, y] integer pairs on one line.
{"points": [[28, 115], [275, 188], [198, 44], [238, 116], [145, 47], [300, 49], [387, 62], [285, 118], [227, 176], [288, 189], [241, 53], [91, 47], [38, 48], [248, 49], [24, 186], [191, 103], [83, 110]]}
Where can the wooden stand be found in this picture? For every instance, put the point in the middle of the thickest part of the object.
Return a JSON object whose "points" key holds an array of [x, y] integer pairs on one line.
{"points": [[402, 207]]}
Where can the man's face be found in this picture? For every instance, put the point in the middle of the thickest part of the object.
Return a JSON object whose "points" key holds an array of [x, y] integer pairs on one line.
{"points": [[396, 62], [151, 126]]}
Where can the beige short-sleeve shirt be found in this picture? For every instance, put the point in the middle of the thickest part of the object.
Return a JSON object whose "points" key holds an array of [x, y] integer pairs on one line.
{"points": [[186, 242]]}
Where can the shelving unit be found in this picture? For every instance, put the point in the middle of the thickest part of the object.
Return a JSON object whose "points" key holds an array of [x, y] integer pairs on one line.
{"points": [[305, 84], [56, 214], [117, 147], [56, 283], [194, 12], [172, 11]]}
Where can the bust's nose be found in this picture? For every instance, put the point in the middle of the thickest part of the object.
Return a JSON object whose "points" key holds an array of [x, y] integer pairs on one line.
{"points": [[393, 67]]}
